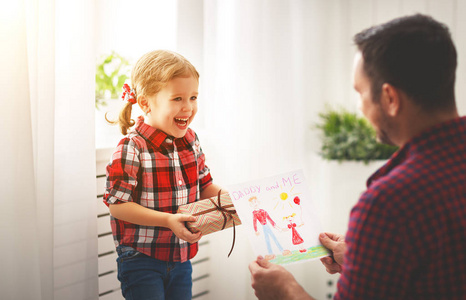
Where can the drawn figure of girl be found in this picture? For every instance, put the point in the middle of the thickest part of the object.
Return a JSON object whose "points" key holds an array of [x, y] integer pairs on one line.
{"points": [[296, 239]]}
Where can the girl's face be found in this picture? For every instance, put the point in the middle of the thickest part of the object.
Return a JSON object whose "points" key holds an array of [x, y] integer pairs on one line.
{"points": [[173, 108]]}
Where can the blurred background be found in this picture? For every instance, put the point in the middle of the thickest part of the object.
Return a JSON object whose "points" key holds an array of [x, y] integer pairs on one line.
{"points": [[268, 69]]}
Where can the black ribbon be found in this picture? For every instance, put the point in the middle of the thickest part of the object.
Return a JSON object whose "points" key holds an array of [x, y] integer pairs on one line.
{"points": [[227, 214]]}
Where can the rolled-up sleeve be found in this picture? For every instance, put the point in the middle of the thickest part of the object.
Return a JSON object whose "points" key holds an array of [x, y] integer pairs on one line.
{"points": [[122, 174]]}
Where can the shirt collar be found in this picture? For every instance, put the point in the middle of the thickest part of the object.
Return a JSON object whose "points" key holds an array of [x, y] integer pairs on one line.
{"points": [[421, 142], [156, 136]]}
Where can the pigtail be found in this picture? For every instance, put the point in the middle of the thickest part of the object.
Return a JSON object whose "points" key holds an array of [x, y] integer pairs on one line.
{"points": [[124, 118]]}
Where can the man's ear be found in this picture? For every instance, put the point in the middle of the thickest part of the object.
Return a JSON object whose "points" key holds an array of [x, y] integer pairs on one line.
{"points": [[391, 100]]}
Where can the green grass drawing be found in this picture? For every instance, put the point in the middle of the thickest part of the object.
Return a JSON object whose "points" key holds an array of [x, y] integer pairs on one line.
{"points": [[313, 252]]}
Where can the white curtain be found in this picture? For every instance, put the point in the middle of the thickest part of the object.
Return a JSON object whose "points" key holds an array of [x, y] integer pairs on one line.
{"points": [[48, 222], [260, 100], [269, 68], [253, 86]]}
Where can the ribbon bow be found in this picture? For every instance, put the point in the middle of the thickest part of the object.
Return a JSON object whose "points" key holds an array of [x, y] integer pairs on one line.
{"points": [[129, 94], [227, 214], [291, 225]]}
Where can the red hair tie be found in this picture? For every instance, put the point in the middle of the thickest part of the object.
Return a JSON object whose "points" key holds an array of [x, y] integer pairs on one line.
{"points": [[129, 94]]}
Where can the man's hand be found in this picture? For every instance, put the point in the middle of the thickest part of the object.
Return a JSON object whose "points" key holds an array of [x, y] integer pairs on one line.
{"points": [[176, 222], [273, 282], [336, 244]]}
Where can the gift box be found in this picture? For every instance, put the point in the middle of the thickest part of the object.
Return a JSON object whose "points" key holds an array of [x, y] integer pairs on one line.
{"points": [[213, 214]]}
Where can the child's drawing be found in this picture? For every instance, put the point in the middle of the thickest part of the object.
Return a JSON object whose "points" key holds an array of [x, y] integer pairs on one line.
{"points": [[280, 218]]}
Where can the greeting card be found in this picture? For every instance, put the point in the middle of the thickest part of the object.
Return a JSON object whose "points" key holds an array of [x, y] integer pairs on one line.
{"points": [[280, 218]]}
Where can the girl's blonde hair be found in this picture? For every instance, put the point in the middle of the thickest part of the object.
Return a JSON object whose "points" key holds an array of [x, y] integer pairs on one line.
{"points": [[286, 217], [150, 74]]}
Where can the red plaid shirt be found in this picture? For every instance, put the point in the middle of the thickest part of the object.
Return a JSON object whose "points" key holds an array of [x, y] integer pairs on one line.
{"points": [[161, 173], [407, 233]]}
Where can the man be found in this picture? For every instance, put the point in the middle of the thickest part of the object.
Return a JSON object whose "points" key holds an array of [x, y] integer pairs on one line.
{"points": [[407, 233]]}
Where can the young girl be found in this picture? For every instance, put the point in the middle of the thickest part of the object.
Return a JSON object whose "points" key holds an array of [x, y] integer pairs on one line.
{"points": [[158, 166]]}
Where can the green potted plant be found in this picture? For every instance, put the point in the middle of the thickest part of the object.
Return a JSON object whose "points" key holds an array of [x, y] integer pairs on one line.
{"points": [[348, 137], [112, 71]]}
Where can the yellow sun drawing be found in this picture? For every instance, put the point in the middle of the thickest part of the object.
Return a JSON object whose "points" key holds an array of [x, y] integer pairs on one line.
{"points": [[285, 199]]}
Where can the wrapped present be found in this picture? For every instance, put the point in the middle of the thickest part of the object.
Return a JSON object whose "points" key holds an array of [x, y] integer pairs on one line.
{"points": [[213, 214]]}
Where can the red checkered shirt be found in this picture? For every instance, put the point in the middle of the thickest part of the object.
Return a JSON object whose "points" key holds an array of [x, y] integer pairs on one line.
{"points": [[407, 233], [159, 172]]}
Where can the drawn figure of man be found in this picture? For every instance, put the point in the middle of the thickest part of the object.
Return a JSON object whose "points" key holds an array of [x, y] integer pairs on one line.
{"points": [[262, 216]]}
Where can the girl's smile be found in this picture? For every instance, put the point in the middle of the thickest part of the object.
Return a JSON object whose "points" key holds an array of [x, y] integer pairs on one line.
{"points": [[182, 122]]}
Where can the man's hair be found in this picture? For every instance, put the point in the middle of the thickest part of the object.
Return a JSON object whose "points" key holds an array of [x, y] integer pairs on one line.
{"points": [[252, 198], [415, 54]]}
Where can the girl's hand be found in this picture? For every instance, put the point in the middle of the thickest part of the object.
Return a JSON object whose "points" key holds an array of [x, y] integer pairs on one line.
{"points": [[176, 222]]}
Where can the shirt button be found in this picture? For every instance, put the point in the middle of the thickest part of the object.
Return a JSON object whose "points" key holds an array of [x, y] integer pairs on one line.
{"points": [[169, 141], [180, 182]]}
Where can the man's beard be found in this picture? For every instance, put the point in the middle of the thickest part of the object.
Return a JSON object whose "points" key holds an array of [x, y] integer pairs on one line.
{"points": [[382, 137]]}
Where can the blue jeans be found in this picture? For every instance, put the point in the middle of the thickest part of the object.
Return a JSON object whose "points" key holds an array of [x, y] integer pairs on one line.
{"points": [[143, 277], [267, 234]]}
